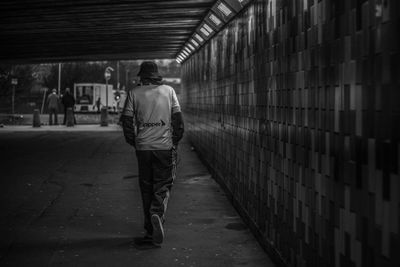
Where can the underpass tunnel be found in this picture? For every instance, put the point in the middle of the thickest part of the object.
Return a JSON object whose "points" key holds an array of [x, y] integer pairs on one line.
{"points": [[294, 108]]}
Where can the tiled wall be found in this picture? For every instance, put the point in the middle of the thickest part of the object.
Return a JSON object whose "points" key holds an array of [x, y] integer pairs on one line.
{"points": [[296, 107]]}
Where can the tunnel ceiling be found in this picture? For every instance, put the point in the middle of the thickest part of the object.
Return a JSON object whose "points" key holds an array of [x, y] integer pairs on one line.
{"points": [[52, 30]]}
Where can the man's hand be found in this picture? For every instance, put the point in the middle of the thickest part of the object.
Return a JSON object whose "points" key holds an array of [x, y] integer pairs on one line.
{"points": [[177, 127], [128, 128]]}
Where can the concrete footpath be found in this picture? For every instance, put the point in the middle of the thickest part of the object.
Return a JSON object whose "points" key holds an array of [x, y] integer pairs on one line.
{"points": [[82, 118], [71, 198], [60, 128]]}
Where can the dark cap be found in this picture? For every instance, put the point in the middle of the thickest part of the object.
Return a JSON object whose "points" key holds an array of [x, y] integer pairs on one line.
{"points": [[148, 69]]}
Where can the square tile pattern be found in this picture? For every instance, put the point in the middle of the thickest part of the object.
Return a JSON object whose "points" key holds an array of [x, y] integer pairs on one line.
{"points": [[296, 106]]}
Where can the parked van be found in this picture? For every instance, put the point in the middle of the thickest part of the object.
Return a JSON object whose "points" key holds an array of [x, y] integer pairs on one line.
{"points": [[86, 95]]}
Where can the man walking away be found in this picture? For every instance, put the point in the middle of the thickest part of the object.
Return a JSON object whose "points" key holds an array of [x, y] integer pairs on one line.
{"points": [[68, 101], [152, 123], [98, 104], [52, 104]]}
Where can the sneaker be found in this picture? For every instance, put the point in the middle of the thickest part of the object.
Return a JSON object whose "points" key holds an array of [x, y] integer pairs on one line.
{"points": [[158, 230]]}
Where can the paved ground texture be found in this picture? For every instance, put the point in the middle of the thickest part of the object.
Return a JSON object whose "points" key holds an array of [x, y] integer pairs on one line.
{"points": [[81, 118], [71, 198]]}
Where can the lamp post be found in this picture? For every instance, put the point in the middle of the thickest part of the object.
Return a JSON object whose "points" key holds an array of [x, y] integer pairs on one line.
{"points": [[59, 79], [107, 76], [14, 82], [104, 112]]}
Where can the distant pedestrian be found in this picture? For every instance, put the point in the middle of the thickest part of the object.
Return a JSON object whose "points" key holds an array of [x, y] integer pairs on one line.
{"points": [[98, 104], [152, 123], [68, 101], [52, 105]]}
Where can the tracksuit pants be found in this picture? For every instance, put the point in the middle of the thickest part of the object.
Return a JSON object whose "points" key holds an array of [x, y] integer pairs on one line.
{"points": [[157, 170]]}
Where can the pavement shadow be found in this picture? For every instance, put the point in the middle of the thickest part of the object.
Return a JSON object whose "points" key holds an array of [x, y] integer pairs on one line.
{"points": [[74, 244], [140, 244], [109, 243]]}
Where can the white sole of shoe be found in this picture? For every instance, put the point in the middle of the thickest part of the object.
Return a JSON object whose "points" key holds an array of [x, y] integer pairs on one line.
{"points": [[158, 230]]}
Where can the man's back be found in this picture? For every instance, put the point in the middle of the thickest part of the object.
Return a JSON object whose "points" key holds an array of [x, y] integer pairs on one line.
{"points": [[68, 100], [153, 106], [53, 101]]}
